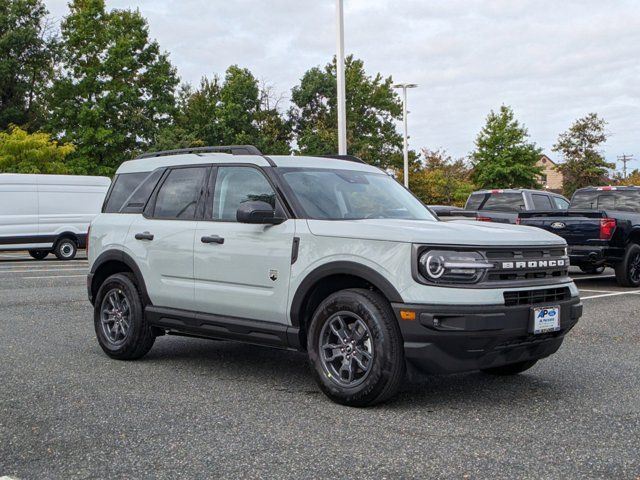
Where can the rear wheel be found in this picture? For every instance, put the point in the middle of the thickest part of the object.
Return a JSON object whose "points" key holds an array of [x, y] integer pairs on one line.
{"points": [[38, 254], [511, 369], [65, 249], [118, 318], [628, 270], [355, 348]]}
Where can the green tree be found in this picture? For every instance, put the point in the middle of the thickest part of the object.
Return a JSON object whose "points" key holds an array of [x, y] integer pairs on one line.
{"points": [[584, 164], [440, 180], [23, 152], [504, 157], [230, 112], [116, 89], [27, 50], [372, 110]]}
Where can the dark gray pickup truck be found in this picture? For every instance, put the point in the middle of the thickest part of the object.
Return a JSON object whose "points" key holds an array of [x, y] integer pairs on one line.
{"points": [[601, 227], [504, 205]]}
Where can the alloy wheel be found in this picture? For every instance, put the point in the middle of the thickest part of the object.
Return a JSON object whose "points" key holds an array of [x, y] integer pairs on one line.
{"points": [[115, 316]]}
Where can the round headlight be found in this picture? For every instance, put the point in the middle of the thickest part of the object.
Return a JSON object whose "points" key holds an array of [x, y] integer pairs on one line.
{"points": [[452, 266], [434, 266]]}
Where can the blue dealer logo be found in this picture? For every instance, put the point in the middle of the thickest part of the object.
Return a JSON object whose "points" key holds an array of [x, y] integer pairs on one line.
{"points": [[544, 312]]}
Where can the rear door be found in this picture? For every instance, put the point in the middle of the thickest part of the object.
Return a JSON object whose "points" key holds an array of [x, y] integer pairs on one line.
{"points": [[161, 240], [245, 273]]}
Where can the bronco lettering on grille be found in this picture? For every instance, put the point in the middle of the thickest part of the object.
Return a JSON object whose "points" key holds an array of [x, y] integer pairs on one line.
{"points": [[534, 264]]}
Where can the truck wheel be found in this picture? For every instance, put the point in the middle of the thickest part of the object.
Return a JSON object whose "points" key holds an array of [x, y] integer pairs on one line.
{"points": [[628, 270], [592, 269], [511, 369], [65, 249], [118, 318], [38, 254], [355, 348]]}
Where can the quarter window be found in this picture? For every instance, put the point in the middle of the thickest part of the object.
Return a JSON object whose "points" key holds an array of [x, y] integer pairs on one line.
{"points": [[236, 185], [178, 196], [123, 186]]}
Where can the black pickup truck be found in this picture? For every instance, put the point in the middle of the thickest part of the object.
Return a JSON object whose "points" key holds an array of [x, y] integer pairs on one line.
{"points": [[601, 227]]}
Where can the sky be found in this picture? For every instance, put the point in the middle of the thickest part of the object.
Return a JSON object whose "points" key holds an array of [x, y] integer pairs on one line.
{"points": [[551, 61]]}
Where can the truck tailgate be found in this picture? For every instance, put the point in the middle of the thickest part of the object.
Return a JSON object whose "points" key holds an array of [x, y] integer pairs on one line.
{"points": [[577, 227]]}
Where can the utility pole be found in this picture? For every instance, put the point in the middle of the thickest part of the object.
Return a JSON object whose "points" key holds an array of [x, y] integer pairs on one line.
{"points": [[342, 109], [624, 158], [405, 149]]}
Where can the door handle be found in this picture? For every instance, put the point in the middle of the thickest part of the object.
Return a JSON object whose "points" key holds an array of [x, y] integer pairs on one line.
{"points": [[212, 239], [144, 236]]}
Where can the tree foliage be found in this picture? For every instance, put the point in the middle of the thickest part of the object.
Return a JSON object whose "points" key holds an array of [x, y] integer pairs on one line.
{"points": [[115, 90], [440, 180], [27, 50], [504, 157], [234, 111], [372, 109], [23, 152], [584, 164], [633, 179]]}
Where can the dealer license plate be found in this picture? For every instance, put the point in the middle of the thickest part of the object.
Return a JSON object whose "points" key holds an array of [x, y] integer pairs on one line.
{"points": [[546, 319]]}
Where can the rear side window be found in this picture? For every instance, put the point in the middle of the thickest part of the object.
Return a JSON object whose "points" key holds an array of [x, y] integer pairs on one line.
{"points": [[138, 199], [541, 202], [505, 202], [123, 186], [179, 194], [561, 203]]}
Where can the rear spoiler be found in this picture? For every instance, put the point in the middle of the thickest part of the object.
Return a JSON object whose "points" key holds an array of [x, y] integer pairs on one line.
{"points": [[563, 213]]}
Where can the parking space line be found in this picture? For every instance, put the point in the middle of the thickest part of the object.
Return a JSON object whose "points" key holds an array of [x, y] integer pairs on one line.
{"points": [[56, 276], [609, 295], [597, 291]]}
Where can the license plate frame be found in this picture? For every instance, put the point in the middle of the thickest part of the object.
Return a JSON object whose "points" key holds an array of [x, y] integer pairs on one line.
{"points": [[545, 319]]}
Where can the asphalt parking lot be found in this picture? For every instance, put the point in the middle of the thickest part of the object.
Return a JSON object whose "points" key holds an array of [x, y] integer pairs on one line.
{"points": [[207, 409]]}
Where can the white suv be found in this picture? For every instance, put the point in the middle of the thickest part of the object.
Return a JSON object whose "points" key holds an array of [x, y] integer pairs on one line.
{"points": [[325, 255]]}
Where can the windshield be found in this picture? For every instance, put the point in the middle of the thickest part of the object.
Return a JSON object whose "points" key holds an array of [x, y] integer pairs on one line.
{"points": [[326, 194]]}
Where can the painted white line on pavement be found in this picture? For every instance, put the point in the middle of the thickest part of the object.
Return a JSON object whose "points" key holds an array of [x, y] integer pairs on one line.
{"points": [[57, 276], [9, 266], [18, 274], [609, 295], [597, 291]]}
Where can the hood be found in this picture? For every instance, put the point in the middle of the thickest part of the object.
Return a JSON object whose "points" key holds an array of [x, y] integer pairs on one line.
{"points": [[462, 232]]}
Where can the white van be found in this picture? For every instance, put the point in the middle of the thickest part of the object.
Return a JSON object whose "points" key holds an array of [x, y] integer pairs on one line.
{"points": [[48, 213]]}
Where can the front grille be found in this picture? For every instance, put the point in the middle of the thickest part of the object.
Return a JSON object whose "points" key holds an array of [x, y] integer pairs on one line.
{"points": [[526, 256], [530, 297]]}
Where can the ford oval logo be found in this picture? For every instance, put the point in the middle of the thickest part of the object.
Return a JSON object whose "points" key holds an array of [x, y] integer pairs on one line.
{"points": [[557, 225]]}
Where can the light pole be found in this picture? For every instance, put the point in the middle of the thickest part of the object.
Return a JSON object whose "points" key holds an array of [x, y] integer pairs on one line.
{"points": [[405, 149], [342, 110]]}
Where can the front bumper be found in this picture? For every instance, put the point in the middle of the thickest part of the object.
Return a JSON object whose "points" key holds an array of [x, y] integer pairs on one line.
{"points": [[450, 339]]}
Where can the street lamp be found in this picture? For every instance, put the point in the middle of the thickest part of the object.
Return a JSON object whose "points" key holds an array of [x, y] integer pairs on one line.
{"points": [[405, 149], [342, 110]]}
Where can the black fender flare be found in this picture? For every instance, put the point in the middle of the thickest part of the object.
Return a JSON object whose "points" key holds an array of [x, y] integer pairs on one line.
{"points": [[122, 257], [340, 268]]}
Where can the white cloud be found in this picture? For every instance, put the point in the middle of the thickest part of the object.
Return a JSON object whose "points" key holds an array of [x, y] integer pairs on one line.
{"points": [[551, 61]]}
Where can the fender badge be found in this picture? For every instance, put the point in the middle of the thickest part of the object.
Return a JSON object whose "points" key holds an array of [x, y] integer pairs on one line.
{"points": [[273, 275]]}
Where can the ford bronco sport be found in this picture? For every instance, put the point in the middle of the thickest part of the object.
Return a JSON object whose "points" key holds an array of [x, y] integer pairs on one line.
{"points": [[326, 255]]}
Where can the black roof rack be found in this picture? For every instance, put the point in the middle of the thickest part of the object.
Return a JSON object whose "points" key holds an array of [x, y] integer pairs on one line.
{"points": [[348, 158], [233, 149]]}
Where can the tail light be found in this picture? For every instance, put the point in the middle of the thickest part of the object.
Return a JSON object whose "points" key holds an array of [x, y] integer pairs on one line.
{"points": [[518, 221], [483, 219], [607, 227]]}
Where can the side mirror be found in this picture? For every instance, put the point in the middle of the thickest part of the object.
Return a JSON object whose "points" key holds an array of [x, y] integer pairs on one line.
{"points": [[258, 212]]}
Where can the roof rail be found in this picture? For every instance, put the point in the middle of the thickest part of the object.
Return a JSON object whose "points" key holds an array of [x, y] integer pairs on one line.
{"points": [[233, 149], [348, 158]]}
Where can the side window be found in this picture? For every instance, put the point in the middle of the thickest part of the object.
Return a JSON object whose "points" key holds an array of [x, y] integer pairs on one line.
{"points": [[137, 200], [561, 203], [236, 185], [123, 186], [475, 201], [541, 202], [178, 196]]}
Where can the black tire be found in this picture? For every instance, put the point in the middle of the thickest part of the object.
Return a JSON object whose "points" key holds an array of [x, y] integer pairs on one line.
{"points": [[139, 337], [38, 254], [511, 369], [379, 337], [65, 249], [628, 270], [592, 269]]}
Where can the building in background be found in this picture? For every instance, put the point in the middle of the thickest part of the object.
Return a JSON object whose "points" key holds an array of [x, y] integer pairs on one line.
{"points": [[551, 179]]}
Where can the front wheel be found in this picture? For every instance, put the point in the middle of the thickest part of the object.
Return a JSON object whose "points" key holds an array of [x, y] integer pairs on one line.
{"points": [[511, 369], [65, 249], [628, 270], [355, 348]]}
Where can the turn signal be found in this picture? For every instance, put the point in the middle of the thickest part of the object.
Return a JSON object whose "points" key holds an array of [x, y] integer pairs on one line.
{"points": [[407, 315]]}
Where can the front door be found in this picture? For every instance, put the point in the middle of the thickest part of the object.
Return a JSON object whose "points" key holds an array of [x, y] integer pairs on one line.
{"points": [[162, 240], [241, 270]]}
